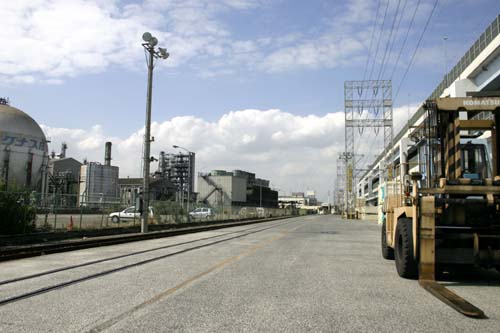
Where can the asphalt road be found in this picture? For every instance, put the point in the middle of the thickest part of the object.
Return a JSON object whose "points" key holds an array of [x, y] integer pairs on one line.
{"points": [[315, 273]]}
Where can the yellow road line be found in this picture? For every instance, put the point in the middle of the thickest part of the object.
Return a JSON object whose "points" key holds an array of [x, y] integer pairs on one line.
{"points": [[170, 291]]}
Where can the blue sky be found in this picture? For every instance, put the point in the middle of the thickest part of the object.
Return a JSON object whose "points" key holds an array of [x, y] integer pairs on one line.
{"points": [[78, 68]]}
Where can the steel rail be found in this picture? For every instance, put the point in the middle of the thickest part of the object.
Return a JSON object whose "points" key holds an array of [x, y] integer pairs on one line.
{"points": [[61, 285], [93, 262], [71, 245]]}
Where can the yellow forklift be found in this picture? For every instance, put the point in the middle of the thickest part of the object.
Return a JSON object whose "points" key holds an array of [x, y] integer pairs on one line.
{"points": [[444, 209]]}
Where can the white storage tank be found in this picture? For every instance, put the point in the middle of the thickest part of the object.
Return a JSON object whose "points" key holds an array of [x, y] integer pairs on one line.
{"points": [[23, 149], [99, 184]]}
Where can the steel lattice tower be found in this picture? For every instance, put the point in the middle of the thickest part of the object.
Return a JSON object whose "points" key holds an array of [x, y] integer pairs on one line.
{"points": [[367, 104]]}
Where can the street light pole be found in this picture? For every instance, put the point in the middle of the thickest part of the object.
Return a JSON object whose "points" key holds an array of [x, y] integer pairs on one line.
{"points": [[151, 54]]}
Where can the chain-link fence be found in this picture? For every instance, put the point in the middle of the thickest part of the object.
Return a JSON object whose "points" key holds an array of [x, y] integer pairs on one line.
{"points": [[57, 212]]}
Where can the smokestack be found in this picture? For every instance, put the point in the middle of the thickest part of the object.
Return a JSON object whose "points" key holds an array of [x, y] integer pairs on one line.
{"points": [[161, 163], [64, 146], [107, 154]]}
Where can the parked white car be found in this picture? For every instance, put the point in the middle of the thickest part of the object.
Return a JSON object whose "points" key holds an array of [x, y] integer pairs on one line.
{"points": [[128, 214], [202, 213]]}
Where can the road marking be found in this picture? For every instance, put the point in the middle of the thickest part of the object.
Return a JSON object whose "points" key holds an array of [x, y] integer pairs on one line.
{"points": [[107, 324]]}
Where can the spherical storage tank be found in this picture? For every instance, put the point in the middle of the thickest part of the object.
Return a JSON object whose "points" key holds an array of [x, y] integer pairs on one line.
{"points": [[23, 149]]}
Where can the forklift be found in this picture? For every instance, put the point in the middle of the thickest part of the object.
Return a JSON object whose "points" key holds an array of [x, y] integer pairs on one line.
{"points": [[445, 211]]}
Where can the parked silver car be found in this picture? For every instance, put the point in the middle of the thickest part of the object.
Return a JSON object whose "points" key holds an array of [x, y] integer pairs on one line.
{"points": [[202, 213], [128, 214]]}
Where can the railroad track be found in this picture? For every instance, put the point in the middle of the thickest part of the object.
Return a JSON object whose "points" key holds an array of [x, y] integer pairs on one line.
{"points": [[19, 252], [26, 295]]}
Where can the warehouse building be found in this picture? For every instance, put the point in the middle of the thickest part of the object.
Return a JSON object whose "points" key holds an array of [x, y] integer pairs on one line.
{"points": [[236, 188]]}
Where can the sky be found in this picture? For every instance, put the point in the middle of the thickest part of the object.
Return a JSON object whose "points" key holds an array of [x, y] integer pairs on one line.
{"points": [[256, 85]]}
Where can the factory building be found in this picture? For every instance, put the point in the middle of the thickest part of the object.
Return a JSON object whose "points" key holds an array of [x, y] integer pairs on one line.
{"points": [[236, 188], [159, 189], [64, 173], [23, 149], [178, 170], [298, 199], [99, 182]]}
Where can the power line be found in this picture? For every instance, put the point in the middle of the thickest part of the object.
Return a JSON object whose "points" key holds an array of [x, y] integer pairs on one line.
{"points": [[405, 39], [416, 49], [378, 42], [396, 33], [371, 40], [389, 40]]}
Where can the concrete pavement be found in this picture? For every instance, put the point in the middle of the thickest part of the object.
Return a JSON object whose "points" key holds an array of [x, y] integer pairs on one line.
{"points": [[314, 273]]}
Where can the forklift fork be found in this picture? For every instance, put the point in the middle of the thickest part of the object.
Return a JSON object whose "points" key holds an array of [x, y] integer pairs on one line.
{"points": [[427, 263]]}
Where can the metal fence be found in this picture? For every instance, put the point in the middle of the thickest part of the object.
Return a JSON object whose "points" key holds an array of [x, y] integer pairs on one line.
{"points": [[57, 212]]}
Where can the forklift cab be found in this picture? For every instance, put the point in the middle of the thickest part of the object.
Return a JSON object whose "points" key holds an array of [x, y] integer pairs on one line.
{"points": [[475, 159]]}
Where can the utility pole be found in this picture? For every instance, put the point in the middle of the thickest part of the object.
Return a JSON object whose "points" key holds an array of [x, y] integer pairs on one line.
{"points": [[151, 54]]}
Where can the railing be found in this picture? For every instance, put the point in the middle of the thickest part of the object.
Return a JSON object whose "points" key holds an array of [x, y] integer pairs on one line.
{"points": [[481, 43]]}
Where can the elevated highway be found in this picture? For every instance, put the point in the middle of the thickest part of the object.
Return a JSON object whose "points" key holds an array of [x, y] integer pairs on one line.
{"points": [[476, 73]]}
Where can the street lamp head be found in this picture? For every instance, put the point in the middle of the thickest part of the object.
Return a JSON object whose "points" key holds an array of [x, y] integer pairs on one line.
{"points": [[163, 52], [175, 146], [147, 37]]}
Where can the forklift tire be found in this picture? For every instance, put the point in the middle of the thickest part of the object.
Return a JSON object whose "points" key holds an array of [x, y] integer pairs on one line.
{"points": [[387, 252], [406, 265]]}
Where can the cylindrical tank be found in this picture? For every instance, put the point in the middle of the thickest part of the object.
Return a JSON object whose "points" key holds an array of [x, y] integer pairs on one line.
{"points": [[23, 149]]}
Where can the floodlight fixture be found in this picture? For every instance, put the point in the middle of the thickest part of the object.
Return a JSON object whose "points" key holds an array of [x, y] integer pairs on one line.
{"points": [[163, 52], [146, 37], [153, 41]]}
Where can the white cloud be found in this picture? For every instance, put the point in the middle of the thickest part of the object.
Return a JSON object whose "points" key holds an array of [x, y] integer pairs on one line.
{"points": [[327, 51], [51, 40], [294, 152]]}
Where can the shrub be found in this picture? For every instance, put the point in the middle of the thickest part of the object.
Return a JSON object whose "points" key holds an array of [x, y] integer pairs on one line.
{"points": [[17, 215], [171, 208]]}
